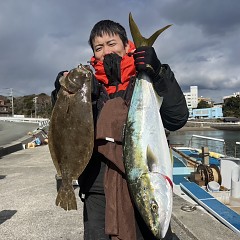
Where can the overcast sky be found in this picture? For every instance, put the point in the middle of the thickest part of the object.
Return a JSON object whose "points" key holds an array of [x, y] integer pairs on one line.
{"points": [[39, 38]]}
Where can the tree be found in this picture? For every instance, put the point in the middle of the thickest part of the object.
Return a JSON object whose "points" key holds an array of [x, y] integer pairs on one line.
{"points": [[26, 106], [231, 107], [203, 104]]}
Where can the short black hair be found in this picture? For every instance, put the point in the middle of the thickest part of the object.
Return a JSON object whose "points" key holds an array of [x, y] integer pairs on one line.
{"points": [[108, 27]]}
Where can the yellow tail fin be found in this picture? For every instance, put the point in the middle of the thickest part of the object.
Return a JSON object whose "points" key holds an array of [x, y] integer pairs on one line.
{"points": [[138, 39]]}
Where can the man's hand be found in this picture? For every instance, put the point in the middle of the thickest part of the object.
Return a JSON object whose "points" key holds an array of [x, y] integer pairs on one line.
{"points": [[146, 60], [112, 68]]}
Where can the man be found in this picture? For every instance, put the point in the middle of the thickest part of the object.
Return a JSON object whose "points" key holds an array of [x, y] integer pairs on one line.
{"points": [[108, 215]]}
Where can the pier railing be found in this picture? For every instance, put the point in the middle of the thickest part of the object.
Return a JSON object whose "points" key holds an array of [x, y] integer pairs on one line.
{"points": [[42, 122], [214, 144], [237, 149]]}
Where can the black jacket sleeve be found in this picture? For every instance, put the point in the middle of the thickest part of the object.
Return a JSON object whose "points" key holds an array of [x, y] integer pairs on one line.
{"points": [[174, 111], [57, 87]]}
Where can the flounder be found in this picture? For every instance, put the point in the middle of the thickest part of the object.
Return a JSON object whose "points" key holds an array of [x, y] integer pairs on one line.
{"points": [[71, 132]]}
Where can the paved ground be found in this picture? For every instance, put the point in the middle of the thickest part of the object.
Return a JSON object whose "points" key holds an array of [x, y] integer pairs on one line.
{"points": [[28, 211], [27, 199], [12, 131]]}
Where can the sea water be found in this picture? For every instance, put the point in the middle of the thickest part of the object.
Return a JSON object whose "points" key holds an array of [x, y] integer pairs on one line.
{"points": [[230, 138]]}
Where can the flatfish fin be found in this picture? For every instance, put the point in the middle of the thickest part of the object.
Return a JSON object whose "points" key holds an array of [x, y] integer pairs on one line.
{"points": [[66, 197]]}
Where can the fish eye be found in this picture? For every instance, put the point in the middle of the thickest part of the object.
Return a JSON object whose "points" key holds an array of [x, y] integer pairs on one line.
{"points": [[154, 207], [88, 74]]}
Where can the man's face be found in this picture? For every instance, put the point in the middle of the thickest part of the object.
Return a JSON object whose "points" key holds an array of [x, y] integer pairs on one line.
{"points": [[108, 44]]}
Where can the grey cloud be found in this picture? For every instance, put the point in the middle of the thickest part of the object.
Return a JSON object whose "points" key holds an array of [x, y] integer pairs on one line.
{"points": [[214, 17], [40, 38]]}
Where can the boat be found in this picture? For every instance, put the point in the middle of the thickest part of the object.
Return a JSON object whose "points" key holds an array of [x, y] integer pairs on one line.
{"points": [[204, 173], [226, 126]]}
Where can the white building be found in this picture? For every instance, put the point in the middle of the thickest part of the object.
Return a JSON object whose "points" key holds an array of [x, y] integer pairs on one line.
{"points": [[192, 97], [233, 95]]}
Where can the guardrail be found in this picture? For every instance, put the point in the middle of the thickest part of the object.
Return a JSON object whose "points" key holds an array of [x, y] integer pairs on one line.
{"points": [[235, 149], [214, 144], [42, 122]]}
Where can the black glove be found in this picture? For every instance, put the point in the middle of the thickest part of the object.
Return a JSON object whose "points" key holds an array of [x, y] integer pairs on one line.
{"points": [[112, 68], [146, 60]]}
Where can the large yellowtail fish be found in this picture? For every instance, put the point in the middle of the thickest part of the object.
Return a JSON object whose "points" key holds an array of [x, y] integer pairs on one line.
{"points": [[146, 153], [71, 132]]}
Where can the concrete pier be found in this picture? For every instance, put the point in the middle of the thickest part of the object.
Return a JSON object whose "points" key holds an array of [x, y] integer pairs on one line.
{"points": [[28, 211]]}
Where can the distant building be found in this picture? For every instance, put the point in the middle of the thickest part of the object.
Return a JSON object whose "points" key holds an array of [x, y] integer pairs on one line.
{"points": [[192, 100], [4, 109], [233, 95], [207, 113], [218, 104], [192, 97], [207, 100]]}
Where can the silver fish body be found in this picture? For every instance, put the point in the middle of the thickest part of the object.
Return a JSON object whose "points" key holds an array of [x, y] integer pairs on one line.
{"points": [[147, 158], [71, 132]]}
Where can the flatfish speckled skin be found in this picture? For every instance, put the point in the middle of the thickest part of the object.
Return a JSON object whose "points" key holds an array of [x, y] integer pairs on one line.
{"points": [[71, 132]]}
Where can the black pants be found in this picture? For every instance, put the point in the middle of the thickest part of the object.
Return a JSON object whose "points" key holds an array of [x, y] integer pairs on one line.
{"points": [[94, 221], [94, 217]]}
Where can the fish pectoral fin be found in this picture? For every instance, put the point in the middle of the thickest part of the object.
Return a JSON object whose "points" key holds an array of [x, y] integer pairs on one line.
{"points": [[151, 159]]}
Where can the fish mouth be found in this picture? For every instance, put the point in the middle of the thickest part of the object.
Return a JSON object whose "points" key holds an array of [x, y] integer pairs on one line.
{"points": [[85, 70], [157, 232], [157, 191]]}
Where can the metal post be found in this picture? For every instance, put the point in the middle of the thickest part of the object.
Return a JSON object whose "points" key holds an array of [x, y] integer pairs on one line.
{"points": [[11, 94], [205, 155], [35, 102]]}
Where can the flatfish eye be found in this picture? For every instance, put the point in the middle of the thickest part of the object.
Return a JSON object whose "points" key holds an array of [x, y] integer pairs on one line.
{"points": [[89, 74]]}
